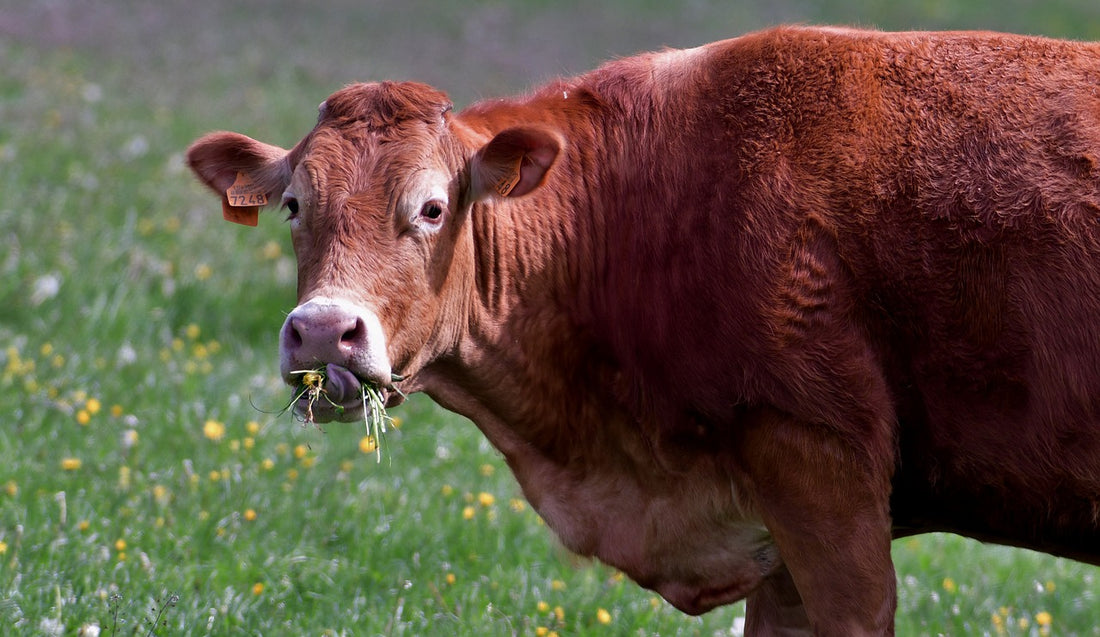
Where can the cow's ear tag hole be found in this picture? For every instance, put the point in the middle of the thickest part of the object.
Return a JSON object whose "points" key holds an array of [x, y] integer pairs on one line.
{"points": [[243, 201], [507, 182]]}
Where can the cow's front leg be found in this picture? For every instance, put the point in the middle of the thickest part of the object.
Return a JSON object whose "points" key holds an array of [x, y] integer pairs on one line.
{"points": [[775, 608], [824, 497]]}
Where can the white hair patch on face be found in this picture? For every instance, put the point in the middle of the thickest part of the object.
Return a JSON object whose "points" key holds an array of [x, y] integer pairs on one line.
{"points": [[426, 201]]}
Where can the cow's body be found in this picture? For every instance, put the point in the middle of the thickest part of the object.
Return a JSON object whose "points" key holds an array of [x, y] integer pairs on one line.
{"points": [[762, 305]]}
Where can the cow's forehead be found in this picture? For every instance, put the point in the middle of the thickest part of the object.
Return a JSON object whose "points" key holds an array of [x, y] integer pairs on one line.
{"points": [[379, 131]]}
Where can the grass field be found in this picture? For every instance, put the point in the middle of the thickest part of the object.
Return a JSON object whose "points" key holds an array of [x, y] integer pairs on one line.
{"points": [[148, 484]]}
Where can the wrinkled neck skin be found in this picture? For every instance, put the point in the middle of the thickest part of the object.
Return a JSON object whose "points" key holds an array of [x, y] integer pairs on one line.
{"points": [[538, 376]]}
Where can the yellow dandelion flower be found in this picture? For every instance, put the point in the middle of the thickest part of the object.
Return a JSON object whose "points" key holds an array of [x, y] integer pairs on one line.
{"points": [[47, 349], [120, 544], [1043, 618], [93, 406], [559, 612], [58, 361], [215, 475], [122, 556], [268, 464], [949, 585], [11, 488], [1050, 586], [199, 351], [517, 505], [346, 466], [83, 526], [450, 578], [447, 490], [272, 250], [213, 430], [368, 445], [130, 437], [396, 422], [603, 616], [486, 499], [252, 427], [124, 477], [258, 588], [487, 470], [234, 445], [308, 462], [1024, 623], [542, 607], [282, 448], [468, 513], [300, 451], [248, 442], [3, 547], [83, 417], [557, 585], [654, 602], [249, 515], [160, 493], [552, 633], [292, 474], [71, 464], [203, 271], [541, 631], [116, 411]]}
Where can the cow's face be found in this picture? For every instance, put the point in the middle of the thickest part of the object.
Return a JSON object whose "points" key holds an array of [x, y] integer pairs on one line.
{"points": [[378, 198]]}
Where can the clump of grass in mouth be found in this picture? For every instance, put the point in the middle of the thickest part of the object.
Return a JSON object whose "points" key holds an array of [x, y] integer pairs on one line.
{"points": [[375, 418]]}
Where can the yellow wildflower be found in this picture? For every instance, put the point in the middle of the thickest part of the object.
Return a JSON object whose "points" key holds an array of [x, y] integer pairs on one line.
{"points": [[541, 631], [468, 513], [203, 271], [252, 427], [3, 547], [450, 578], [368, 445], [557, 585], [447, 490], [11, 488], [257, 588], [213, 430], [486, 499], [116, 410], [949, 585], [1043, 618], [300, 451], [120, 544], [83, 417], [71, 464], [268, 464], [542, 607], [603, 616], [487, 469], [249, 515], [93, 406]]}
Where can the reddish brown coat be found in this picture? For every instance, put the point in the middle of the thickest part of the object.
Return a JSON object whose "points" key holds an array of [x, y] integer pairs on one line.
{"points": [[738, 315]]}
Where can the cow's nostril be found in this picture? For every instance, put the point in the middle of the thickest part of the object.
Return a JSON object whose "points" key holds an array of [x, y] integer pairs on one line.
{"points": [[356, 335], [292, 337]]}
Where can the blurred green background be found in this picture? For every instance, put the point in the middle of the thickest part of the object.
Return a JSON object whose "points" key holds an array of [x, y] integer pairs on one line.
{"points": [[147, 484]]}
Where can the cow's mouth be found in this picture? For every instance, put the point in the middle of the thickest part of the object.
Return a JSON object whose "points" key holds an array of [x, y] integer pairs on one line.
{"points": [[340, 395]]}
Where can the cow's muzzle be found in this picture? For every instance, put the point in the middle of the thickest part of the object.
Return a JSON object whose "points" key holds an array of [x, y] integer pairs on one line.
{"points": [[346, 342]]}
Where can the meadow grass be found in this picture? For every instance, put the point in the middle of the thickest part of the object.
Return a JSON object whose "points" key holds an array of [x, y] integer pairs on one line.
{"points": [[147, 484]]}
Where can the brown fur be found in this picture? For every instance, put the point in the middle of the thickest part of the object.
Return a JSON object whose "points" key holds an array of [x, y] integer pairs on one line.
{"points": [[768, 304]]}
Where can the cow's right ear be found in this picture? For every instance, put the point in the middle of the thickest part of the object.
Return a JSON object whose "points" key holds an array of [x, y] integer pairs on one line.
{"points": [[247, 174], [513, 163]]}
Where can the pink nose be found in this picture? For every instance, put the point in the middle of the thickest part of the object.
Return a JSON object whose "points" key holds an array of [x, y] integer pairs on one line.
{"points": [[316, 334]]}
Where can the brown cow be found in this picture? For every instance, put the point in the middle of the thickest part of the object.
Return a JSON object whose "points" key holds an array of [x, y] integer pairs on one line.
{"points": [[738, 315]]}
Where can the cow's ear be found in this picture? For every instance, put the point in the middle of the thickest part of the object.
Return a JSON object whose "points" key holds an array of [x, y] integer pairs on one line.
{"points": [[247, 174], [513, 163]]}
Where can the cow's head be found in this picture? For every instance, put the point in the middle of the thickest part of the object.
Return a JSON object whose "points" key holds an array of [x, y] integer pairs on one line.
{"points": [[378, 197]]}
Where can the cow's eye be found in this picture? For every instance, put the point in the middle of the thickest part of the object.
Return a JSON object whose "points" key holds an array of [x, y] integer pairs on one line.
{"points": [[291, 204], [433, 210]]}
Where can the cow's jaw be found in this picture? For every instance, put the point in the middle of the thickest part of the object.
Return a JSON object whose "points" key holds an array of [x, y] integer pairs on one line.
{"points": [[344, 339]]}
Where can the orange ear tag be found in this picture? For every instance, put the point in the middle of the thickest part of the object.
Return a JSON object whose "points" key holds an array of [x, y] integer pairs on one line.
{"points": [[508, 181], [243, 201]]}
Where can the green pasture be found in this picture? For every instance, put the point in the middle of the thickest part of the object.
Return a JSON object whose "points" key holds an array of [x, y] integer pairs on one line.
{"points": [[148, 484]]}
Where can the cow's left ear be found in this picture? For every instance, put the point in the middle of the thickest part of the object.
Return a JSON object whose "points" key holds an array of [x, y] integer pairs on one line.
{"points": [[513, 163], [248, 174]]}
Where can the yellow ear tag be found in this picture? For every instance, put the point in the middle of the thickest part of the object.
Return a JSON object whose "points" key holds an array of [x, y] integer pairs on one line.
{"points": [[243, 201], [508, 181]]}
